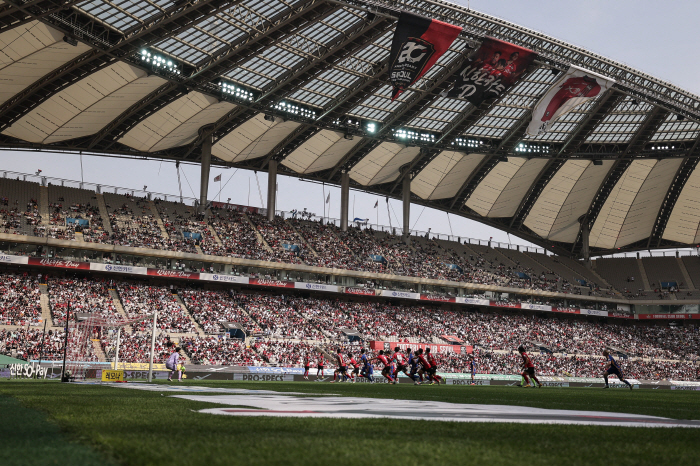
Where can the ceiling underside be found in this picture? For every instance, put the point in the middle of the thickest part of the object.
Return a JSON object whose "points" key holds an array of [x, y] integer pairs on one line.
{"points": [[624, 165]]}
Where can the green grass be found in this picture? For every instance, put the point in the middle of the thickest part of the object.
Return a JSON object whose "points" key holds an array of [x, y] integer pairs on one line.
{"points": [[138, 427]]}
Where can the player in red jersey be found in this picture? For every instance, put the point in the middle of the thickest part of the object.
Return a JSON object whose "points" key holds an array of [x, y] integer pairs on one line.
{"points": [[307, 364], [319, 367], [386, 371], [433, 366], [355, 367], [528, 369], [342, 369], [425, 366], [400, 361]]}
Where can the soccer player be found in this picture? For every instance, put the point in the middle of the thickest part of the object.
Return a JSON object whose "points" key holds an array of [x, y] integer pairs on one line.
{"points": [[528, 369], [400, 361], [355, 367], [306, 367], [342, 369], [386, 371], [172, 364], [613, 368], [433, 366], [425, 367], [413, 364], [367, 369], [319, 367], [471, 365]]}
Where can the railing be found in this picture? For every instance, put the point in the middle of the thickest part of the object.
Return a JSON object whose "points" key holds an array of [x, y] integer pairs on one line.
{"points": [[679, 252]]}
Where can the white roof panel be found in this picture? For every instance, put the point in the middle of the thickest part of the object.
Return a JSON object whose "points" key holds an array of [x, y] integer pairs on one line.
{"points": [[382, 164], [684, 223], [444, 175], [566, 197], [29, 52], [85, 107], [165, 127], [252, 139], [486, 193], [320, 152], [508, 201]]}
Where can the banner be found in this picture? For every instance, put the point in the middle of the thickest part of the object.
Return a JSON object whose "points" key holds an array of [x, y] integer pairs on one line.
{"points": [[59, 263], [271, 282], [400, 294], [565, 310], [316, 287], [118, 268], [418, 43], [173, 274], [474, 301], [490, 71], [360, 291], [668, 316], [504, 304], [10, 259], [436, 297], [212, 277], [434, 348], [593, 312], [536, 307], [574, 88]]}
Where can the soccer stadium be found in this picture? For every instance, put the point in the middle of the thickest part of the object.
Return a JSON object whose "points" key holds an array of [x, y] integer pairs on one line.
{"points": [[144, 326]]}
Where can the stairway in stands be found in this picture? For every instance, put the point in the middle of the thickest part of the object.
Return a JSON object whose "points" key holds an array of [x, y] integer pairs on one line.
{"points": [[260, 237], [119, 307], [45, 304], [101, 356], [104, 213], [200, 330]]}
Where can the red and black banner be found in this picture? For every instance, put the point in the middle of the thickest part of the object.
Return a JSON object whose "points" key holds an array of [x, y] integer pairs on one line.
{"points": [[417, 45], [490, 71]]}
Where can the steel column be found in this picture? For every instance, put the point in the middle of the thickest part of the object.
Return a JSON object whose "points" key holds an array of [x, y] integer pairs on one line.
{"points": [[204, 183], [344, 200], [271, 189]]}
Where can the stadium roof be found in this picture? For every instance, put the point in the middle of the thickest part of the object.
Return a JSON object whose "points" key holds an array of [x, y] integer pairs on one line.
{"points": [[305, 83]]}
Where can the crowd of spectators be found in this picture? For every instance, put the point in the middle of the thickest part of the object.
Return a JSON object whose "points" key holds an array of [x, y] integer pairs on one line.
{"points": [[82, 294], [220, 351], [141, 300], [26, 344], [212, 308], [20, 300], [135, 347]]}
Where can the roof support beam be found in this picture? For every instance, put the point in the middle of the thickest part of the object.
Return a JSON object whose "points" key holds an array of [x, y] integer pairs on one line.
{"points": [[239, 51], [12, 16], [352, 41], [174, 20], [654, 119], [415, 104], [573, 142]]}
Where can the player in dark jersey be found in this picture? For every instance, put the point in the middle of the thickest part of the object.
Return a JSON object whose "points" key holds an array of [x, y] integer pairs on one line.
{"points": [[613, 368], [471, 367], [342, 370], [306, 367], [319, 367], [528, 369], [355, 367], [367, 369], [412, 362], [387, 369], [433, 366]]}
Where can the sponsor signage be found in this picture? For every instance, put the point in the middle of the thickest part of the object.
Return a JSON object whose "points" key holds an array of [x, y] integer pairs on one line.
{"points": [[565, 310], [212, 277], [9, 259], [264, 377], [316, 287], [360, 291], [593, 312], [59, 263], [27, 371], [474, 301], [619, 315], [504, 304], [270, 282], [173, 274], [400, 294], [434, 348], [536, 307], [118, 269], [417, 44], [434, 297], [668, 316], [112, 376], [460, 381]]}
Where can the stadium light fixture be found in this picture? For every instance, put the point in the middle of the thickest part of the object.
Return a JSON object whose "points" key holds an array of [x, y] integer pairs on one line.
{"points": [[231, 91], [296, 110], [70, 40], [680, 118], [160, 63], [597, 162]]}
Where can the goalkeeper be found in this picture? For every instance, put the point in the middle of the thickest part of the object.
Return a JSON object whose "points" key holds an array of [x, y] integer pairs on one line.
{"points": [[172, 364]]}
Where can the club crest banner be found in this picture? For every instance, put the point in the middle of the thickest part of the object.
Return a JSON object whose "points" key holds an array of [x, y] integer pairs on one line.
{"points": [[418, 43], [490, 71], [574, 88]]}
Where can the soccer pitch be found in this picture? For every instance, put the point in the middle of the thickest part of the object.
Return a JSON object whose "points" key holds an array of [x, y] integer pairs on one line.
{"points": [[46, 422]]}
